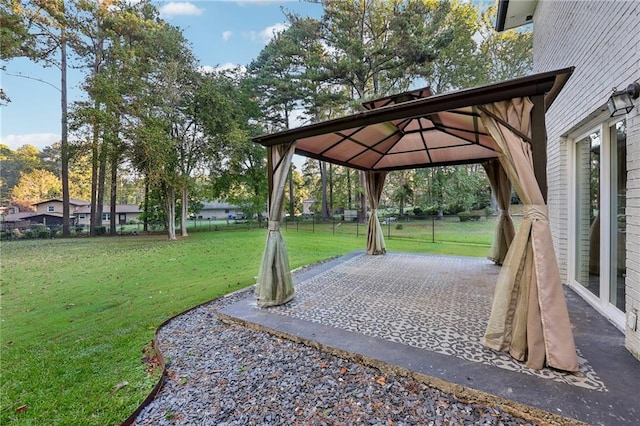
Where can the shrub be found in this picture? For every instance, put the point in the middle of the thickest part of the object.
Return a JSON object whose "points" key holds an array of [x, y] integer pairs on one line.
{"points": [[101, 230], [466, 216], [399, 226]]}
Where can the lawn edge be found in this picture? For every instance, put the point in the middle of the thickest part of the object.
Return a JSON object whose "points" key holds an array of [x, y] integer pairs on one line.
{"points": [[161, 360]]}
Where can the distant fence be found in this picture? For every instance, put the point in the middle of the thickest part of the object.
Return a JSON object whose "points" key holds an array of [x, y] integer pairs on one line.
{"points": [[451, 229]]}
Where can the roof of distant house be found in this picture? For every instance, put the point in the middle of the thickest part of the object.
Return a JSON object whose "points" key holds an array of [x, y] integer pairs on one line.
{"points": [[72, 201], [217, 205], [120, 208], [17, 217]]}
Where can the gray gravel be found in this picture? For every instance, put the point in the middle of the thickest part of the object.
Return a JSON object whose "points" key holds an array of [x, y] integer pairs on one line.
{"points": [[222, 374]]}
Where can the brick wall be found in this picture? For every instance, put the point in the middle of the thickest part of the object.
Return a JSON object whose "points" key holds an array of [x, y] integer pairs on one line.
{"points": [[633, 226], [602, 41]]}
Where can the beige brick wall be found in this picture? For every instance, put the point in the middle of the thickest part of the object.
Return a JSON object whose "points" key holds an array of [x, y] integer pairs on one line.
{"points": [[601, 39], [632, 340]]}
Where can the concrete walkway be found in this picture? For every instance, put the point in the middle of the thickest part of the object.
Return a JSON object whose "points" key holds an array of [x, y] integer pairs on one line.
{"points": [[424, 316]]}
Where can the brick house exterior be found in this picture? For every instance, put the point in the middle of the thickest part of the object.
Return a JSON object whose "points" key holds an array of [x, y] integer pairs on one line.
{"points": [[593, 159]]}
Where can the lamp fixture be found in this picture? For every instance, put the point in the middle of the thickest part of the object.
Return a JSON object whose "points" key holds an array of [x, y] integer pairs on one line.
{"points": [[621, 101]]}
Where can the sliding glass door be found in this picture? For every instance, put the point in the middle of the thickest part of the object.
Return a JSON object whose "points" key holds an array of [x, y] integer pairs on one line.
{"points": [[599, 220]]}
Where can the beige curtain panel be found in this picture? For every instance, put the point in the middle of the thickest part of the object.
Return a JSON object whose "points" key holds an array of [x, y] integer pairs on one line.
{"points": [[505, 230], [375, 238], [529, 317], [275, 284]]}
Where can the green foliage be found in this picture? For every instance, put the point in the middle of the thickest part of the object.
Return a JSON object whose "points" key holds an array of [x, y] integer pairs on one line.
{"points": [[35, 186], [467, 216], [507, 54], [14, 163]]}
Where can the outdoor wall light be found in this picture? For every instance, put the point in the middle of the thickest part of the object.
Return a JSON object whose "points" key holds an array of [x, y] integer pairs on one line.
{"points": [[621, 101]]}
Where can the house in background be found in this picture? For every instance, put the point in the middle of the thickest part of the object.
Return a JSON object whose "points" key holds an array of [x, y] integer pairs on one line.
{"points": [[593, 155], [307, 206], [49, 213], [219, 210], [54, 205], [125, 213]]}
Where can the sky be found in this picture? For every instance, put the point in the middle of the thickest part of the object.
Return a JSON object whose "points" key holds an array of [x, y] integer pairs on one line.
{"points": [[222, 34]]}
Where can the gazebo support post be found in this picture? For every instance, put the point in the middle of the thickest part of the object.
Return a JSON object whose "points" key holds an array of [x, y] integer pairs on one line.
{"points": [[539, 143]]}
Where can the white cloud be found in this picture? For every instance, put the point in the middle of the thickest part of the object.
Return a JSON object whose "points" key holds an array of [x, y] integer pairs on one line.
{"points": [[180, 9], [206, 69], [266, 34], [228, 66], [226, 35], [39, 140], [270, 32]]}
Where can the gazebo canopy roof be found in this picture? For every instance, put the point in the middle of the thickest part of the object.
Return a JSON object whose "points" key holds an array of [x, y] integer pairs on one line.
{"points": [[416, 129]]}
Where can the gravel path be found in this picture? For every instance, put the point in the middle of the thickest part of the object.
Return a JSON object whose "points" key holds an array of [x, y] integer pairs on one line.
{"points": [[222, 374]]}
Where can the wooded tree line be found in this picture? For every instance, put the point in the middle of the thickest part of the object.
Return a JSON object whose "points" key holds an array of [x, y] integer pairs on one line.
{"points": [[184, 134]]}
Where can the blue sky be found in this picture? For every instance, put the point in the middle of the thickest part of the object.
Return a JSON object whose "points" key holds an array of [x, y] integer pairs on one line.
{"points": [[223, 33]]}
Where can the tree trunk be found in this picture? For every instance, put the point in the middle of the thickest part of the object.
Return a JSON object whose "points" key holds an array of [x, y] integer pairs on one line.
{"points": [[323, 178], [114, 194], [331, 188], [170, 211], [64, 142], [93, 220], [349, 188], [291, 201], [102, 172], [145, 221], [185, 209], [96, 196], [362, 196]]}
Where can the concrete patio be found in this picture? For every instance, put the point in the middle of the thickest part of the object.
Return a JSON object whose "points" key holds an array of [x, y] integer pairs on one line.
{"points": [[424, 316]]}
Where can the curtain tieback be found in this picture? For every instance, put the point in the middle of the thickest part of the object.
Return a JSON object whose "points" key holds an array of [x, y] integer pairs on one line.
{"points": [[536, 212], [503, 212], [274, 225]]}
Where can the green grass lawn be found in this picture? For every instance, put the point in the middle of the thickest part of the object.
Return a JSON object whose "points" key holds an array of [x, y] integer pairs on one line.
{"points": [[76, 314]]}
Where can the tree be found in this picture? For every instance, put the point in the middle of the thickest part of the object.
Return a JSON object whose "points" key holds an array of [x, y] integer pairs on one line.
{"points": [[38, 30], [507, 54], [238, 170], [454, 62], [164, 132], [103, 29], [23, 160], [371, 45], [291, 80], [35, 186], [403, 193]]}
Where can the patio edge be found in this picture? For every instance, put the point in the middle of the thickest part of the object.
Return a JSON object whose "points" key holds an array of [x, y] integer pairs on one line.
{"points": [[515, 408]]}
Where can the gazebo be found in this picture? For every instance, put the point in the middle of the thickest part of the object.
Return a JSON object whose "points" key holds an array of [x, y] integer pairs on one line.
{"points": [[500, 125]]}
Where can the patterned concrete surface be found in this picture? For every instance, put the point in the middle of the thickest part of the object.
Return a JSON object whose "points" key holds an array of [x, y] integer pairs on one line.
{"points": [[436, 303], [427, 314]]}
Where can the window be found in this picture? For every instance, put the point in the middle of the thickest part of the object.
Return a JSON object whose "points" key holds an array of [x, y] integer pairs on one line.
{"points": [[51, 209], [599, 187], [81, 216], [106, 216]]}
